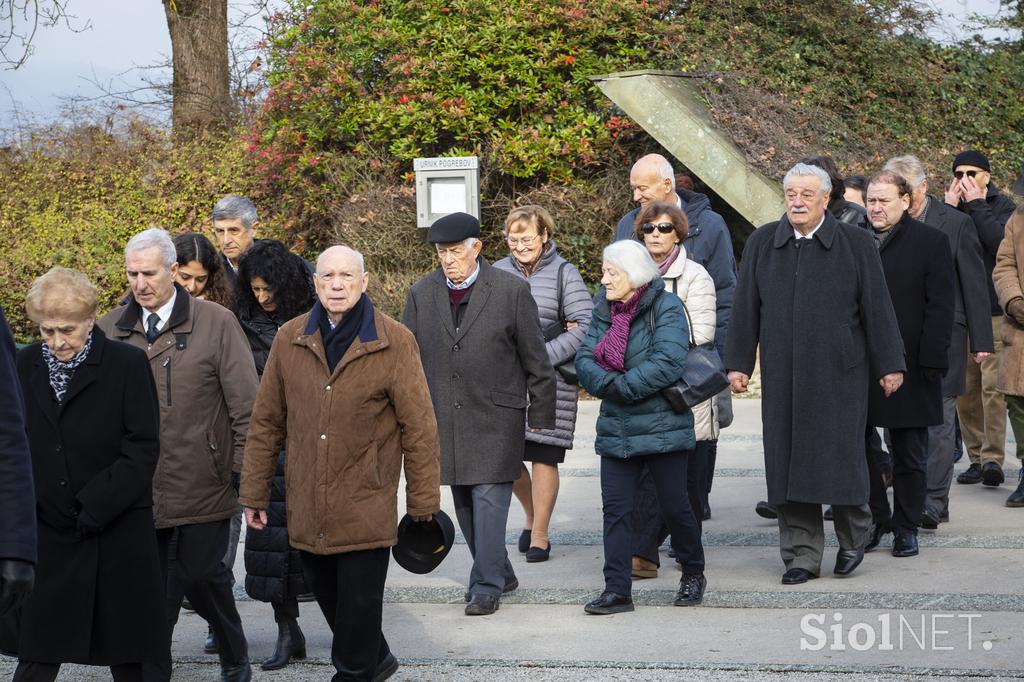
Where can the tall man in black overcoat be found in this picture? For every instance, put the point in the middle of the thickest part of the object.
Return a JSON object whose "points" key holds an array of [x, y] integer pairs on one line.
{"points": [[483, 353], [812, 294], [971, 341], [17, 494], [919, 273]]}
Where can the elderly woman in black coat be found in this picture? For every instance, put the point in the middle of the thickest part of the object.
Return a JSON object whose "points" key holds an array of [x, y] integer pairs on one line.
{"points": [[272, 287], [93, 425]]}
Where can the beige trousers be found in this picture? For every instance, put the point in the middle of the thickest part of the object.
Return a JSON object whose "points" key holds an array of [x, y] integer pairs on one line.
{"points": [[982, 409]]}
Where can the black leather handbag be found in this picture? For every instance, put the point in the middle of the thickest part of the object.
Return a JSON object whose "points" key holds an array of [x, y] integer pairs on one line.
{"points": [[703, 375], [551, 331]]}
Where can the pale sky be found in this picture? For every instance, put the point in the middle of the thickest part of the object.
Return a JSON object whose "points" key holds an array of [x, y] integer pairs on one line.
{"points": [[129, 33]]}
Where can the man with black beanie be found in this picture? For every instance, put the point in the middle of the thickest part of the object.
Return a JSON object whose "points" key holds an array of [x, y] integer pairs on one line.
{"points": [[981, 408]]}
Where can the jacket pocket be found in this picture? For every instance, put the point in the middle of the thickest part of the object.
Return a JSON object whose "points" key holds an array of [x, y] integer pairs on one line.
{"points": [[373, 476], [214, 453], [503, 399], [851, 346]]}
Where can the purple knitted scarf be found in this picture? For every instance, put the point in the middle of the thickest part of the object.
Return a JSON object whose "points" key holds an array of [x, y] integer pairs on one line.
{"points": [[610, 351]]}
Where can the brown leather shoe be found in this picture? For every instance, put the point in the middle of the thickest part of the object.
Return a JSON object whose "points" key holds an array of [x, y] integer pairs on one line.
{"points": [[642, 568]]}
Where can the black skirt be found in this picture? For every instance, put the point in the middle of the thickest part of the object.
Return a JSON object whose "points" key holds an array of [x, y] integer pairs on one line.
{"points": [[545, 454]]}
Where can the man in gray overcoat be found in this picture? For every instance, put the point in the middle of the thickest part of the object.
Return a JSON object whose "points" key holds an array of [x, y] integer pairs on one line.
{"points": [[483, 353], [812, 293]]}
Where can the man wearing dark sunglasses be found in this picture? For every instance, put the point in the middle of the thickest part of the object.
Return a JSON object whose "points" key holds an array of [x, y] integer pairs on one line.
{"points": [[981, 408]]}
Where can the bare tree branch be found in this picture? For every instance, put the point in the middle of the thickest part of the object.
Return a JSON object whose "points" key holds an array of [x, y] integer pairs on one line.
{"points": [[20, 20]]}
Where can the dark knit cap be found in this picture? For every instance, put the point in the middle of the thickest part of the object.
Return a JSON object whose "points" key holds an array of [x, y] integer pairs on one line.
{"points": [[971, 157], [454, 227]]}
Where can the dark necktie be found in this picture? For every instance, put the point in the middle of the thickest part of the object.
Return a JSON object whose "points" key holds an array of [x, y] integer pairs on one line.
{"points": [[151, 331]]}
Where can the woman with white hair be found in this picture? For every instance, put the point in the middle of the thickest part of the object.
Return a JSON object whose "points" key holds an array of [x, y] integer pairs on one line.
{"points": [[636, 346]]}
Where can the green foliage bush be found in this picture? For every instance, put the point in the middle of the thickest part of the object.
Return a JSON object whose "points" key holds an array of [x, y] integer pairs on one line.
{"points": [[73, 197]]}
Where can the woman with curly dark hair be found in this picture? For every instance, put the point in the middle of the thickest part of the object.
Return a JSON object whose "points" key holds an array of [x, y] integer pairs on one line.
{"points": [[200, 269], [273, 286]]}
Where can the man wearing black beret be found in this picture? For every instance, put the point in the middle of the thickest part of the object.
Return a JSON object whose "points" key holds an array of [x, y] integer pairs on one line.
{"points": [[981, 408], [483, 353]]}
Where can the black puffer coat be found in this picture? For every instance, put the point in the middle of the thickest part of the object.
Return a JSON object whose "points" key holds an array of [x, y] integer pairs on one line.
{"points": [[273, 569]]}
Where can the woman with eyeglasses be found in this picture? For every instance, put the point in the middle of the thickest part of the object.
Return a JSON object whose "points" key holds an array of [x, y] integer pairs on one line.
{"points": [[637, 346], [663, 228], [564, 305]]}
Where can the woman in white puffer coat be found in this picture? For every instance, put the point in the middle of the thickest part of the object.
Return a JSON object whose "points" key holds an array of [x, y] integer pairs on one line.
{"points": [[662, 227]]}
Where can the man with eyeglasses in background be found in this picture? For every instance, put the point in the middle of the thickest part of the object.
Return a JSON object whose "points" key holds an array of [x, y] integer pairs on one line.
{"points": [[981, 408], [708, 243]]}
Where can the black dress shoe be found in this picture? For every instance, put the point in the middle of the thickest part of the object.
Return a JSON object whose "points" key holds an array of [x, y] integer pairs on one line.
{"points": [[847, 560], [796, 576], [511, 585], [691, 590], [766, 511], [992, 474], [386, 668], [930, 518], [1016, 498], [609, 603], [827, 515], [210, 645], [876, 537], [535, 555], [970, 476], [242, 672], [524, 540], [482, 605], [904, 544]]}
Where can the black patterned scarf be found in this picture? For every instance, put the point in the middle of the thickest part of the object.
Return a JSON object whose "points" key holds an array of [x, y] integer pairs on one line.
{"points": [[61, 372]]}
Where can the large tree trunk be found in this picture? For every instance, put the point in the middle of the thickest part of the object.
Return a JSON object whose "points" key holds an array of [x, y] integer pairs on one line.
{"points": [[199, 50]]}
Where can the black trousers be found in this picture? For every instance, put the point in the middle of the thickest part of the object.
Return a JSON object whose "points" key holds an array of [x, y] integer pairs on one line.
{"points": [[28, 671], [649, 527], [909, 450], [349, 588], [191, 557], [620, 479]]}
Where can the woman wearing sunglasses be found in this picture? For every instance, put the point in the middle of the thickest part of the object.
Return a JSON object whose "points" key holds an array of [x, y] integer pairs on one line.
{"points": [[662, 228]]}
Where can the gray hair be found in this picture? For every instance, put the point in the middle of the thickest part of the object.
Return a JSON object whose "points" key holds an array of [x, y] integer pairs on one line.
{"points": [[805, 170], [154, 238], [632, 258], [235, 207], [910, 167]]}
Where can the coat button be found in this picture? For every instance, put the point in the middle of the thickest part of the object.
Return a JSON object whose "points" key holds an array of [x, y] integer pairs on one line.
{"points": [[456, 376], [60, 448], [62, 483], [328, 388], [458, 406], [323, 436], [455, 348]]}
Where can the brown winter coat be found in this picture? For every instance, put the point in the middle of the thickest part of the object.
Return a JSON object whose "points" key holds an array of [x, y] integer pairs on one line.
{"points": [[1008, 278], [345, 433], [206, 382]]}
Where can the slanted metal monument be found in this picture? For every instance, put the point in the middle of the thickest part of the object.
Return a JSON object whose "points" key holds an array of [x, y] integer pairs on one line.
{"points": [[668, 106]]}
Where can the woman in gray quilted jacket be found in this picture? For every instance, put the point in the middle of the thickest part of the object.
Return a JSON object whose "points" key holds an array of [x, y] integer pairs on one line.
{"points": [[564, 305]]}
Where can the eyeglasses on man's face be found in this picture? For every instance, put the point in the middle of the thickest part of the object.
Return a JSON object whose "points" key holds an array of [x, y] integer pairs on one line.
{"points": [[664, 228], [960, 174]]}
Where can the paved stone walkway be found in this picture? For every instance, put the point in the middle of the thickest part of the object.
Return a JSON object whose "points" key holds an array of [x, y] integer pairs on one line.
{"points": [[954, 612]]}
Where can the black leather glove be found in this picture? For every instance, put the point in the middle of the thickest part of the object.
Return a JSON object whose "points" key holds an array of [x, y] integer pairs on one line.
{"points": [[932, 373], [16, 580], [86, 525]]}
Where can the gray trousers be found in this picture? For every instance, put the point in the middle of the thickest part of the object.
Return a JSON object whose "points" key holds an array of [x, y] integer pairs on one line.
{"points": [[482, 512], [802, 532], [941, 443]]}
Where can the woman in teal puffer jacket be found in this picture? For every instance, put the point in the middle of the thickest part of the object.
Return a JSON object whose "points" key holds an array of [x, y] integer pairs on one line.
{"points": [[636, 346]]}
